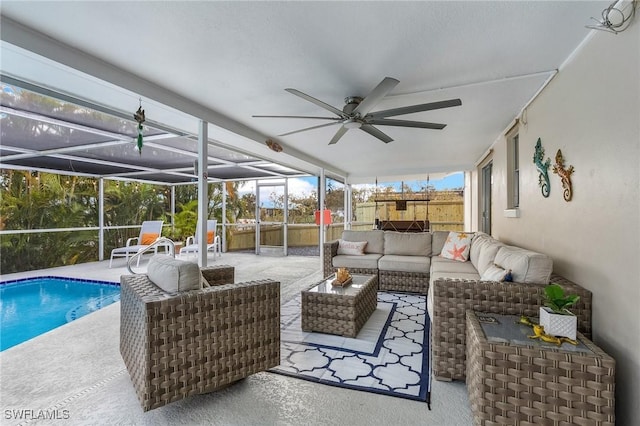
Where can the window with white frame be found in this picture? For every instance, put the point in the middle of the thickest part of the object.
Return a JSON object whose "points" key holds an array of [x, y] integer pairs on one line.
{"points": [[513, 168]]}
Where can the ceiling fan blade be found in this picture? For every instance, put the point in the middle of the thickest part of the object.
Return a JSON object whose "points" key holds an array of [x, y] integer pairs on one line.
{"points": [[311, 128], [317, 102], [376, 95], [406, 123], [415, 108], [377, 133], [295, 116], [340, 133]]}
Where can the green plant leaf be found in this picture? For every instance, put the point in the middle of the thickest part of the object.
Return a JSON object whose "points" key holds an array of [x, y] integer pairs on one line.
{"points": [[556, 299], [554, 292]]}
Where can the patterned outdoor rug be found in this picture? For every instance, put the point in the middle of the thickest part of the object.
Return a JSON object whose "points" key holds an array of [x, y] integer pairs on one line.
{"points": [[390, 355]]}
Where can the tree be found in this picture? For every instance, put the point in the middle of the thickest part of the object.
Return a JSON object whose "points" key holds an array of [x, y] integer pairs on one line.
{"points": [[33, 200]]}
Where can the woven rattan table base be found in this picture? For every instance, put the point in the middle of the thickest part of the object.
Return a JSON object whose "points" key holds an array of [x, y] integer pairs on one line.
{"points": [[512, 384], [340, 314]]}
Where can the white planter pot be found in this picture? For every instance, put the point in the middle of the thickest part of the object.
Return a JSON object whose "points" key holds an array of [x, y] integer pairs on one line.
{"points": [[557, 324]]}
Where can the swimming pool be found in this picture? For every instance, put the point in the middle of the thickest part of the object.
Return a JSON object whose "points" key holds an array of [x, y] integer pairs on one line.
{"points": [[32, 306]]}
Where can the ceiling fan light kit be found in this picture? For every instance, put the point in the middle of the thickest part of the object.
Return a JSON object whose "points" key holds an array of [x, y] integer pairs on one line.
{"points": [[351, 123], [356, 113]]}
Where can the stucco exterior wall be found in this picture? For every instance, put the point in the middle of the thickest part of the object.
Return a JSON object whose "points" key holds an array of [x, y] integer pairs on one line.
{"points": [[591, 111]]}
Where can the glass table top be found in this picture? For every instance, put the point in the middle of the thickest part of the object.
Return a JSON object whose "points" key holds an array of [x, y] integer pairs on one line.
{"points": [[506, 329], [358, 282]]}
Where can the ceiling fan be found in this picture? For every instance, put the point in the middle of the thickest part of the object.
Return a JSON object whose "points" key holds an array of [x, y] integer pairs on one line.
{"points": [[356, 113]]}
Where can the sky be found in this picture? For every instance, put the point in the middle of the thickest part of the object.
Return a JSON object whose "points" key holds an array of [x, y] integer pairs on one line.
{"points": [[304, 186]]}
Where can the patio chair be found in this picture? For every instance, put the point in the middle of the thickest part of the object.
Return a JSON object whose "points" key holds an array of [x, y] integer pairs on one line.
{"points": [[150, 231], [178, 344], [214, 243]]}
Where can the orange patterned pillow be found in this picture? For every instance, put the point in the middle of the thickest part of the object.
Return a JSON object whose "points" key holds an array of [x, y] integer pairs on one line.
{"points": [[210, 235], [457, 246], [148, 238]]}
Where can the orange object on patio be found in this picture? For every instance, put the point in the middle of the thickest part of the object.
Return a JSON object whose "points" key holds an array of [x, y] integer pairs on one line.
{"points": [[326, 215]]}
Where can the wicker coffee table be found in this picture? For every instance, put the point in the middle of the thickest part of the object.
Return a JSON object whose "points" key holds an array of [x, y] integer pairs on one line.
{"points": [[515, 380], [339, 310]]}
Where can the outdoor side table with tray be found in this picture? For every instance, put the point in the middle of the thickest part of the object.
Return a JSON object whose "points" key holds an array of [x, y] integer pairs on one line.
{"points": [[512, 379], [339, 310]]}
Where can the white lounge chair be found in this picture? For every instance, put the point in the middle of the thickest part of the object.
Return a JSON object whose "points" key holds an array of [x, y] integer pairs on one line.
{"points": [[214, 243], [150, 231]]}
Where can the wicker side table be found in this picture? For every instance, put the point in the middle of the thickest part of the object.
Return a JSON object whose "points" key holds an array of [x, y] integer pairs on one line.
{"points": [[517, 382], [339, 310]]}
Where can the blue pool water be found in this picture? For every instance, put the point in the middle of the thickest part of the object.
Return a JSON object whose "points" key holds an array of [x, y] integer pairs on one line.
{"points": [[33, 306]]}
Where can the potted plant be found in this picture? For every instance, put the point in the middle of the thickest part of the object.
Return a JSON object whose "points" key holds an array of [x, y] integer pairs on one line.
{"points": [[556, 319]]}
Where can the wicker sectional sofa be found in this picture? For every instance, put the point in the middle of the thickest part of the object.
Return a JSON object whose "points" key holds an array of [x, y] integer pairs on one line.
{"points": [[400, 260], [453, 287]]}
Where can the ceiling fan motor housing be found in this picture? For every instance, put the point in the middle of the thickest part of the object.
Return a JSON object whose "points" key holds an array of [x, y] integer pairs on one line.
{"points": [[351, 103]]}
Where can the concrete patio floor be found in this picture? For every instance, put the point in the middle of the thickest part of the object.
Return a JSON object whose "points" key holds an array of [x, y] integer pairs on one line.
{"points": [[75, 373]]}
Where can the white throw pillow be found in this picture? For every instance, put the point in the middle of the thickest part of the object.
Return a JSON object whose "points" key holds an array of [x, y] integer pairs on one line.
{"points": [[355, 248], [457, 246], [494, 273]]}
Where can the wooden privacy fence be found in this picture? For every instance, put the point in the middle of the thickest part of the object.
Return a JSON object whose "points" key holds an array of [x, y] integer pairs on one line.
{"points": [[307, 234], [445, 213]]}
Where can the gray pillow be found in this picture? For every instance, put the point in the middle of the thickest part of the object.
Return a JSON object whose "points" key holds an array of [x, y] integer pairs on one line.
{"points": [[173, 275]]}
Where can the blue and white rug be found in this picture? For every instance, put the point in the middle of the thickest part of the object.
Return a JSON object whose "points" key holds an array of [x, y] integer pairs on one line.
{"points": [[389, 356]]}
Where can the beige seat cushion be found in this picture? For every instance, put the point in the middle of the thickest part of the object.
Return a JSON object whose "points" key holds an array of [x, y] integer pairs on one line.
{"points": [[173, 275], [407, 244], [440, 264], [390, 262], [367, 261]]}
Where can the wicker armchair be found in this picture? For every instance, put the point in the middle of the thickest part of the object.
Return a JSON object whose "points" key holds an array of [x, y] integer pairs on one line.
{"points": [[452, 298], [198, 341]]}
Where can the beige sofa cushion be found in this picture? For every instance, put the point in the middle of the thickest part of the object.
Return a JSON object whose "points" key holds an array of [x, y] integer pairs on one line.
{"points": [[407, 243], [526, 266], [452, 267], [173, 275], [483, 251], [438, 238], [374, 239], [367, 261], [391, 262]]}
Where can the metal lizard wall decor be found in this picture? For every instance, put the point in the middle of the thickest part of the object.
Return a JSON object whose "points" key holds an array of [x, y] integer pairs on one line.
{"points": [[565, 175], [543, 169]]}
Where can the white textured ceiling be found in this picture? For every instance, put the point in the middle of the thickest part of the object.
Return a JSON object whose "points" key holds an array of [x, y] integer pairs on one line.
{"points": [[234, 60]]}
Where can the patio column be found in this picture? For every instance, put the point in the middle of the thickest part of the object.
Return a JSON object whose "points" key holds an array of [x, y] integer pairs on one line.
{"points": [[321, 192], [471, 203], [348, 206], [203, 194], [173, 209], [101, 219], [285, 213], [224, 217]]}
